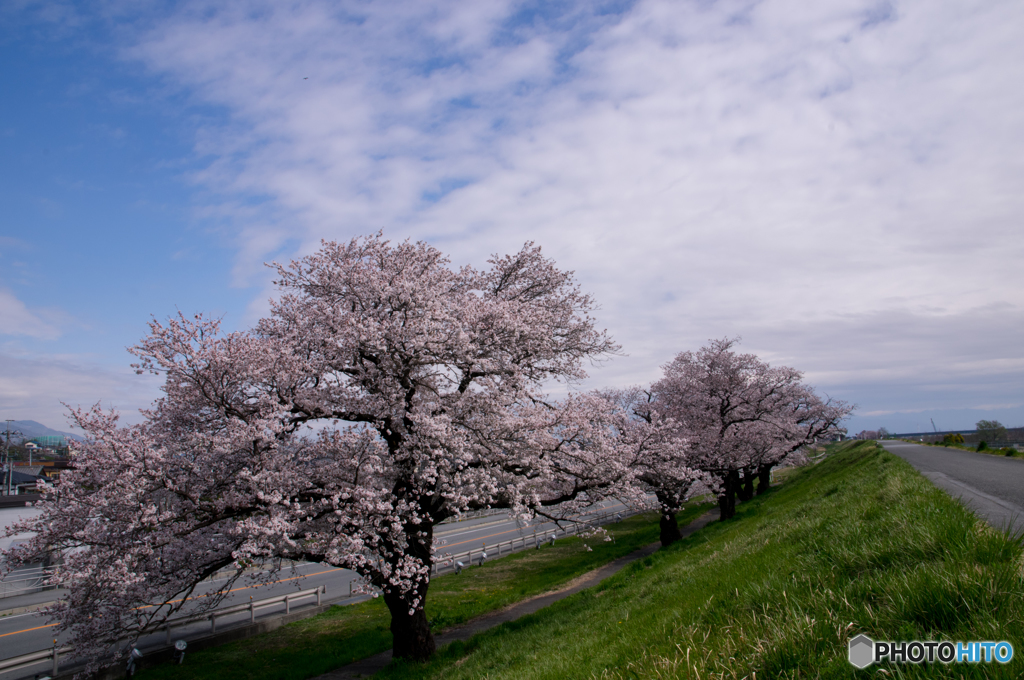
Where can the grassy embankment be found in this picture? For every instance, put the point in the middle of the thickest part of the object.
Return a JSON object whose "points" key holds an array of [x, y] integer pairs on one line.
{"points": [[858, 543], [344, 634]]}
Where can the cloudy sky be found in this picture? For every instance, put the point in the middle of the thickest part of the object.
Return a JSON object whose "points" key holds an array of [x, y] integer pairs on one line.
{"points": [[841, 184]]}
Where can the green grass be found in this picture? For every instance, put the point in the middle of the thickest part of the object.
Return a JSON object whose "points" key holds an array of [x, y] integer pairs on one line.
{"points": [[1007, 452], [344, 634], [857, 543], [995, 450]]}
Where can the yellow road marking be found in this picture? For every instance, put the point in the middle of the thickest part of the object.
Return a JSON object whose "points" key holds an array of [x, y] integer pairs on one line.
{"points": [[28, 630], [292, 578]]}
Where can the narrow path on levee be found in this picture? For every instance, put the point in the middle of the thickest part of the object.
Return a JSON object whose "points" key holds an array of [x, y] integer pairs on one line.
{"points": [[370, 665], [991, 486]]}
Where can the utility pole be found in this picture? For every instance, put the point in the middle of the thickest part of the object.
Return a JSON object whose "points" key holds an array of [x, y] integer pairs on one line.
{"points": [[7, 460], [8, 464]]}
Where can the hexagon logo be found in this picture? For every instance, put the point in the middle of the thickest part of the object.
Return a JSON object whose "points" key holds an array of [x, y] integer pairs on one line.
{"points": [[862, 651]]}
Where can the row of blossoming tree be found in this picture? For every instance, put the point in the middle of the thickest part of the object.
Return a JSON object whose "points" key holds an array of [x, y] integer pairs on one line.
{"points": [[722, 420], [385, 393]]}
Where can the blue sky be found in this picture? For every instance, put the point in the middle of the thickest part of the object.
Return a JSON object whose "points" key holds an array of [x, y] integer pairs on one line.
{"points": [[839, 185]]}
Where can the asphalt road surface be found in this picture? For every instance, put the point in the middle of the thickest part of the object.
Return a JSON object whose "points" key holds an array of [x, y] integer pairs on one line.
{"points": [[991, 486], [23, 633]]}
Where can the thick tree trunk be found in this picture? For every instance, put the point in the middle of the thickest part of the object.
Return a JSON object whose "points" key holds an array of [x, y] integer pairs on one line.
{"points": [[764, 479], [669, 527], [724, 509], [746, 492], [410, 631], [411, 636], [727, 501]]}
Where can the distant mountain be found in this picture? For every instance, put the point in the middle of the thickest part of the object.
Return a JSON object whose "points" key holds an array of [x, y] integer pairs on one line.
{"points": [[30, 429]]}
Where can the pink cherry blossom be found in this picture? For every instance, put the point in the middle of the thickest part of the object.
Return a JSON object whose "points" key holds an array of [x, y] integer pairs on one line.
{"points": [[386, 392], [741, 416]]}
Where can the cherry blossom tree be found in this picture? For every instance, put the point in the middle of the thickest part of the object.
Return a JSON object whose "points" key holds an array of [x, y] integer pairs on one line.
{"points": [[798, 420], [662, 456], [740, 416], [385, 392]]}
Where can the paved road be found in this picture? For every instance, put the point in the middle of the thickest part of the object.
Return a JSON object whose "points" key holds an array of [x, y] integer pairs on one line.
{"points": [[992, 486], [27, 632]]}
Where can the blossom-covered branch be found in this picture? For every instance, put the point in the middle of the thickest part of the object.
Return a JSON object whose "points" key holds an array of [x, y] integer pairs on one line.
{"points": [[385, 393]]}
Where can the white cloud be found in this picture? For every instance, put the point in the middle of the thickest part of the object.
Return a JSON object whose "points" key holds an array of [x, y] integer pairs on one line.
{"points": [[17, 319], [36, 387], [777, 170]]}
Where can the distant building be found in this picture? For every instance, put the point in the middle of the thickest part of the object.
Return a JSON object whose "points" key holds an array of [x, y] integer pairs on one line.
{"points": [[51, 441], [51, 469], [18, 482]]}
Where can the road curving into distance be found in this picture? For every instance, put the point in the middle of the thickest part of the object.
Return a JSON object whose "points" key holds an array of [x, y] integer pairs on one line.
{"points": [[991, 486]]}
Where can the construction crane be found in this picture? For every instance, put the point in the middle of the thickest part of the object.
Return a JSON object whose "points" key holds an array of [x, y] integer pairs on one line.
{"points": [[933, 425]]}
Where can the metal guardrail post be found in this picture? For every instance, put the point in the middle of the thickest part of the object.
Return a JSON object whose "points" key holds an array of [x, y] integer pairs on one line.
{"points": [[213, 622], [287, 604], [56, 656], [252, 611], [318, 595]]}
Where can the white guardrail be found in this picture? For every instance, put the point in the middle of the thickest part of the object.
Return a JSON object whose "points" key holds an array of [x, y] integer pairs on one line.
{"points": [[56, 652], [23, 581], [452, 562], [472, 514], [442, 563]]}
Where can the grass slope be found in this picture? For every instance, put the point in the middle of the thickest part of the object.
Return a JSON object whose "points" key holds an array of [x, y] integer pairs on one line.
{"points": [[858, 543], [344, 634]]}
